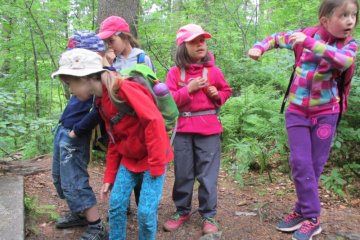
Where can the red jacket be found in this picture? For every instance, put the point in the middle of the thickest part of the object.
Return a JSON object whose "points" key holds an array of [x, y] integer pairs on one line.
{"points": [[140, 142]]}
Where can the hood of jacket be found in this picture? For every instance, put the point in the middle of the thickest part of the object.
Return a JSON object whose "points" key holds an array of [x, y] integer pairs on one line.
{"points": [[194, 68], [121, 62]]}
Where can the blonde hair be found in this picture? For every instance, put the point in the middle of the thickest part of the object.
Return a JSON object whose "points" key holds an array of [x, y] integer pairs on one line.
{"points": [[112, 84]]}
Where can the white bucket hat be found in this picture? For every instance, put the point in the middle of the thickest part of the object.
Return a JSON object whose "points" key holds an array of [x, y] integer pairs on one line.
{"points": [[79, 62]]}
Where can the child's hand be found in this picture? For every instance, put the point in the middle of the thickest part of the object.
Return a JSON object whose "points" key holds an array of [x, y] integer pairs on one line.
{"points": [[105, 192], [196, 84], [72, 134], [297, 38], [212, 92], [110, 56], [254, 53]]}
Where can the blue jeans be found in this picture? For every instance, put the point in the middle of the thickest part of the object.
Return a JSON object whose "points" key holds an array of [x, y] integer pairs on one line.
{"points": [[69, 170], [150, 195]]}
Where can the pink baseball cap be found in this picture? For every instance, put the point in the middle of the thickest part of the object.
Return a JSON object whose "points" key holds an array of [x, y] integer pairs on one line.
{"points": [[189, 32], [112, 25]]}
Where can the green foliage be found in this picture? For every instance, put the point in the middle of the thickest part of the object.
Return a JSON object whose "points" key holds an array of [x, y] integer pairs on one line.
{"points": [[254, 134], [34, 210], [347, 142], [27, 112], [22, 131], [334, 182], [253, 129]]}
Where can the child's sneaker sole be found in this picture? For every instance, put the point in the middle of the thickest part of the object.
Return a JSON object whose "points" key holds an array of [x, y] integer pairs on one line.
{"points": [[290, 223], [289, 229]]}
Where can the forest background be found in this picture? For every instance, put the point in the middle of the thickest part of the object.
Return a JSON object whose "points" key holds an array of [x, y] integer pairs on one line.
{"points": [[35, 33]]}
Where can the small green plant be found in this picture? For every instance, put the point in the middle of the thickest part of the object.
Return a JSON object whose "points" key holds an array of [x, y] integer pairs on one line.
{"points": [[334, 182], [34, 210]]}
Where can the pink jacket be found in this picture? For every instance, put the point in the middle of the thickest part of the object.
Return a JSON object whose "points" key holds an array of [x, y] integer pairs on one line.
{"points": [[198, 101]]}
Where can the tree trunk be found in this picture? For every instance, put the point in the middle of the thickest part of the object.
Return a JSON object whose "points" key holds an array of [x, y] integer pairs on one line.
{"points": [[127, 9], [36, 75], [177, 5]]}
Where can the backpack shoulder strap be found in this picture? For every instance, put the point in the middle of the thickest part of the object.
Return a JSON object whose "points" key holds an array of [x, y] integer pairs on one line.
{"points": [[123, 108], [141, 57], [206, 74], [344, 82], [181, 73]]}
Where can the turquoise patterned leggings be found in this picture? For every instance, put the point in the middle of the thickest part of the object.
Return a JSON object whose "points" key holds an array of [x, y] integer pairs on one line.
{"points": [[150, 195]]}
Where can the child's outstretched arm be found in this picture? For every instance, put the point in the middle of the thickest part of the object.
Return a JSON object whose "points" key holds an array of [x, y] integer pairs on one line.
{"points": [[339, 58], [277, 40], [254, 53]]}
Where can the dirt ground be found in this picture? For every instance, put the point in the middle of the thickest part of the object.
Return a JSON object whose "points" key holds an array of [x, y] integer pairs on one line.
{"points": [[247, 213]]}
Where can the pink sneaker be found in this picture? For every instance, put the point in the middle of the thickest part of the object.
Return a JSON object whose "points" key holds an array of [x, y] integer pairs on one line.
{"points": [[175, 222], [209, 226]]}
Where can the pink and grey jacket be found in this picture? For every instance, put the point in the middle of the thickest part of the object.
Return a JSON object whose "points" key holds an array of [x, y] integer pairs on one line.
{"points": [[198, 101], [314, 88]]}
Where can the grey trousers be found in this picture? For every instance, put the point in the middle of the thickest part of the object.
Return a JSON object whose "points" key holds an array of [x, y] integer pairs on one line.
{"points": [[196, 157]]}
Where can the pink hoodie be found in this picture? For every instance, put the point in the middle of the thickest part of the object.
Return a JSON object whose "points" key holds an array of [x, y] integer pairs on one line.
{"points": [[198, 101]]}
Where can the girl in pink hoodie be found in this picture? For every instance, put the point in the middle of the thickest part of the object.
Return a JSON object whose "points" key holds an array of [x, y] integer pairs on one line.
{"points": [[199, 89]]}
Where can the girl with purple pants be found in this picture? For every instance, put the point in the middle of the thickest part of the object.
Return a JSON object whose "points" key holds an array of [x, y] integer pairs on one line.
{"points": [[314, 108]]}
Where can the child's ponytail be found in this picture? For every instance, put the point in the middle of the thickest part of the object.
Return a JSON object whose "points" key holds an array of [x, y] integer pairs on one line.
{"points": [[112, 84]]}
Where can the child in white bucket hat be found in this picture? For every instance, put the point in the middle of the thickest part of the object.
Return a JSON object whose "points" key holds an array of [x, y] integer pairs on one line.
{"points": [[140, 146], [72, 140]]}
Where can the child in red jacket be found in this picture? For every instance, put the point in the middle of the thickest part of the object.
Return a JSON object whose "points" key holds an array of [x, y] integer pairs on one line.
{"points": [[139, 146]]}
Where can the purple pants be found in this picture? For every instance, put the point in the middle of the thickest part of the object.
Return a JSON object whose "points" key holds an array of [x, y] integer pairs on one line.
{"points": [[310, 142]]}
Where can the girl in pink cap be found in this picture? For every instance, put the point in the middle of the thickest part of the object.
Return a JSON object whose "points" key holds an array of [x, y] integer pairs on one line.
{"points": [[116, 34], [199, 89]]}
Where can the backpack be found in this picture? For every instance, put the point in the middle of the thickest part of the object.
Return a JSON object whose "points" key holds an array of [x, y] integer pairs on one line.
{"points": [[99, 137], [143, 75], [343, 81]]}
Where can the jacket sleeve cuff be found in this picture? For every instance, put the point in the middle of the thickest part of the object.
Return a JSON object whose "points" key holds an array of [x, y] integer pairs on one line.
{"points": [[157, 171], [109, 177], [260, 48]]}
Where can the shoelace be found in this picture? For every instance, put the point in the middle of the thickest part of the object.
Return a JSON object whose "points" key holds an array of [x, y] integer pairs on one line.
{"points": [[291, 216], [70, 215], [306, 226]]}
